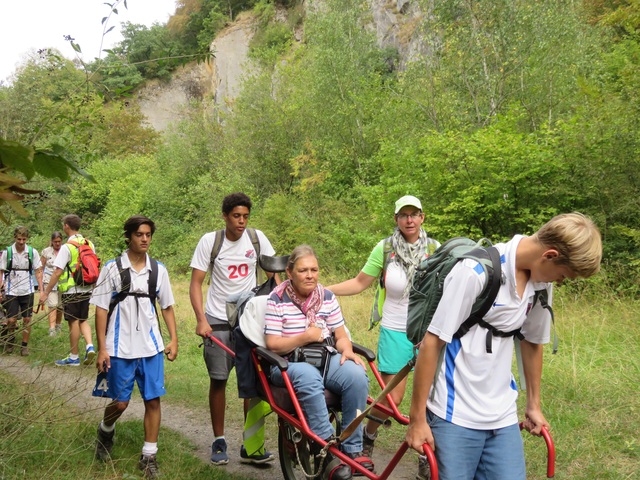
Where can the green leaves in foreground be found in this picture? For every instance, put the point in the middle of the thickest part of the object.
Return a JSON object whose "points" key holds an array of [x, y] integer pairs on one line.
{"points": [[15, 158]]}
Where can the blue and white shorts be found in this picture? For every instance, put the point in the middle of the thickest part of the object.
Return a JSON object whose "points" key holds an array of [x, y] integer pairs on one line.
{"points": [[117, 383]]}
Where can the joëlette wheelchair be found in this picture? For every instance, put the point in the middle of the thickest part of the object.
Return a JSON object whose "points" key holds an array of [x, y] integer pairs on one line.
{"points": [[294, 434]]}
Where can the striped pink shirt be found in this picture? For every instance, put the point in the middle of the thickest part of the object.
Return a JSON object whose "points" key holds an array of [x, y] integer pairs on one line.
{"points": [[284, 319]]}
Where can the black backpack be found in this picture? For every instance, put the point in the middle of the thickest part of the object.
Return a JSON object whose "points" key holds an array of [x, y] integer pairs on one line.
{"points": [[125, 285]]}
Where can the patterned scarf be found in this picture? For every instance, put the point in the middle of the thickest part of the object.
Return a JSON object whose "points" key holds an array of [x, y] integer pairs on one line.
{"points": [[408, 255], [310, 307]]}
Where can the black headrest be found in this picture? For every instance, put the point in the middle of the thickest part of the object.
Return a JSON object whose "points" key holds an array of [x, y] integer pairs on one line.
{"points": [[274, 264]]}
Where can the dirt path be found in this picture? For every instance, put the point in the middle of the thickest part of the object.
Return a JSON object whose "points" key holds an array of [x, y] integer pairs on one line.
{"points": [[77, 383]]}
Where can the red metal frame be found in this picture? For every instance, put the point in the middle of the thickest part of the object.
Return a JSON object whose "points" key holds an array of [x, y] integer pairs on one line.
{"points": [[299, 422]]}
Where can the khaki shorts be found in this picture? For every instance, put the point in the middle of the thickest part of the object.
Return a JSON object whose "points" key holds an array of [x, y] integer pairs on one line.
{"points": [[219, 362], [53, 299]]}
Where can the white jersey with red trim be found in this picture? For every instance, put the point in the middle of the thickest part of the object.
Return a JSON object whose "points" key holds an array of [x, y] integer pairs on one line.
{"points": [[234, 270]]}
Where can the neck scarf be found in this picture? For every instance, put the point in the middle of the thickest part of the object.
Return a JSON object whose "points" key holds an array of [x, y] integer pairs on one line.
{"points": [[408, 255], [310, 306]]}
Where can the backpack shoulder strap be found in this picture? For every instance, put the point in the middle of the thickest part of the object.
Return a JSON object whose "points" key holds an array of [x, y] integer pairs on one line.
{"points": [[492, 287], [217, 245], [9, 251], [30, 255], [253, 235], [542, 296], [153, 280], [125, 286], [387, 251], [255, 241]]}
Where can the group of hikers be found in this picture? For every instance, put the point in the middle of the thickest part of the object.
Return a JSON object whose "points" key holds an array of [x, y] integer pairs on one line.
{"points": [[464, 394]]}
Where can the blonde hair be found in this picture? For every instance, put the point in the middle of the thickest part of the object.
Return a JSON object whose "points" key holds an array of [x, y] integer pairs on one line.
{"points": [[299, 252], [577, 240]]}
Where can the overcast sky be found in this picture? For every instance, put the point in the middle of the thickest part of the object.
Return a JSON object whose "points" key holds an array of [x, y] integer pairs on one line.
{"points": [[28, 25]]}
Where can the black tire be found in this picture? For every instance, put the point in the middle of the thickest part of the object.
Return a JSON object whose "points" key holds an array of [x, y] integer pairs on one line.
{"points": [[291, 468]]}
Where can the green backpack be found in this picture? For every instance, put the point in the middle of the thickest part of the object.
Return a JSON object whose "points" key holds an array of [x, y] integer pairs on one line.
{"points": [[428, 285], [9, 251]]}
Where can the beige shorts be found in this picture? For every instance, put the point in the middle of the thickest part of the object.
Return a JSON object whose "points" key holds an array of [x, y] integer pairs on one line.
{"points": [[53, 300]]}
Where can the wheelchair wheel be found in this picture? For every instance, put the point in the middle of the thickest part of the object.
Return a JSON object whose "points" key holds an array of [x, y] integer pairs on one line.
{"points": [[291, 440]]}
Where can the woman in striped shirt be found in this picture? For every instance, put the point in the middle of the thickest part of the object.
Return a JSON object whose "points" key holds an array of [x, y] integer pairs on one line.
{"points": [[300, 311]]}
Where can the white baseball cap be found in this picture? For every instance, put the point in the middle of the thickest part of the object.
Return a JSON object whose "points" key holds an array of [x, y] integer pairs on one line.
{"points": [[408, 200]]}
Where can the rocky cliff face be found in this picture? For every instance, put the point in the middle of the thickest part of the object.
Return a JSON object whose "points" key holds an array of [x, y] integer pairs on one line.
{"points": [[219, 81]]}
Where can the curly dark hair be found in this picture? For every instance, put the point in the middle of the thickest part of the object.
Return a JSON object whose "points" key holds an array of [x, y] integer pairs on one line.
{"points": [[234, 200]]}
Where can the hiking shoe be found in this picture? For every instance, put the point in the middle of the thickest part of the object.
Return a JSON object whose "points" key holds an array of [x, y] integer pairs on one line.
{"points": [[362, 459], [104, 444], [90, 356], [368, 444], [58, 328], [24, 351], [9, 344], [424, 471], [256, 458], [334, 469], [53, 332], [68, 362], [219, 452], [149, 466]]}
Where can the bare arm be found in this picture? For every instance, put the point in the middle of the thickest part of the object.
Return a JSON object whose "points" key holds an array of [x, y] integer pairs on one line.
{"points": [[39, 276], [532, 364], [52, 282], [195, 295], [172, 348], [356, 285], [419, 432]]}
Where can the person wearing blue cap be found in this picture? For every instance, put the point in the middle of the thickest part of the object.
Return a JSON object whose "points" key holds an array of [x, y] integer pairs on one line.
{"points": [[393, 261]]}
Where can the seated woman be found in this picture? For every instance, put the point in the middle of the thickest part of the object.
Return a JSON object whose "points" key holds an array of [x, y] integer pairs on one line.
{"points": [[300, 311]]}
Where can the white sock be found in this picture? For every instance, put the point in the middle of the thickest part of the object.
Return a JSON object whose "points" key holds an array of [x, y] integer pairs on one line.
{"points": [[370, 436], [218, 438], [89, 345], [73, 356], [106, 428], [149, 449]]}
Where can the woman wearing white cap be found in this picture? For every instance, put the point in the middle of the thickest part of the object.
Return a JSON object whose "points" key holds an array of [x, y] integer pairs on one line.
{"points": [[393, 261]]}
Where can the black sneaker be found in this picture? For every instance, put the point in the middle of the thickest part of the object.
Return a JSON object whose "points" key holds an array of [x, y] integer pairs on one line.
{"points": [[149, 466], [219, 452], [362, 459], [104, 444], [334, 469], [368, 444], [256, 458]]}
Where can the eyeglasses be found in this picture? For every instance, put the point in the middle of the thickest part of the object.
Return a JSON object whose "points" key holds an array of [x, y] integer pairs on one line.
{"points": [[404, 216]]}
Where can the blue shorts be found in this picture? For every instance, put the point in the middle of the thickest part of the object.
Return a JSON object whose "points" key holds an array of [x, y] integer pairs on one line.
{"points": [[394, 351], [117, 383]]}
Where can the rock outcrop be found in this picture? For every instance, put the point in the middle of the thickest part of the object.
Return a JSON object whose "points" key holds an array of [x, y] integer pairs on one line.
{"points": [[219, 81]]}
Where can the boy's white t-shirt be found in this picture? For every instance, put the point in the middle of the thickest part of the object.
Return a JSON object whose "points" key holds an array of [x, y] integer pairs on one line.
{"points": [[133, 328], [476, 389], [19, 282], [234, 270]]}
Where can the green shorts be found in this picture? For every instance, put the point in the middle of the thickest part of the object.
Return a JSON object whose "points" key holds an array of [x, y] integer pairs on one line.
{"points": [[394, 351]]}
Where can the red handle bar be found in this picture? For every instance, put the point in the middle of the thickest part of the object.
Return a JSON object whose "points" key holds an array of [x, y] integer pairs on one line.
{"points": [[551, 451], [431, 458]]}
